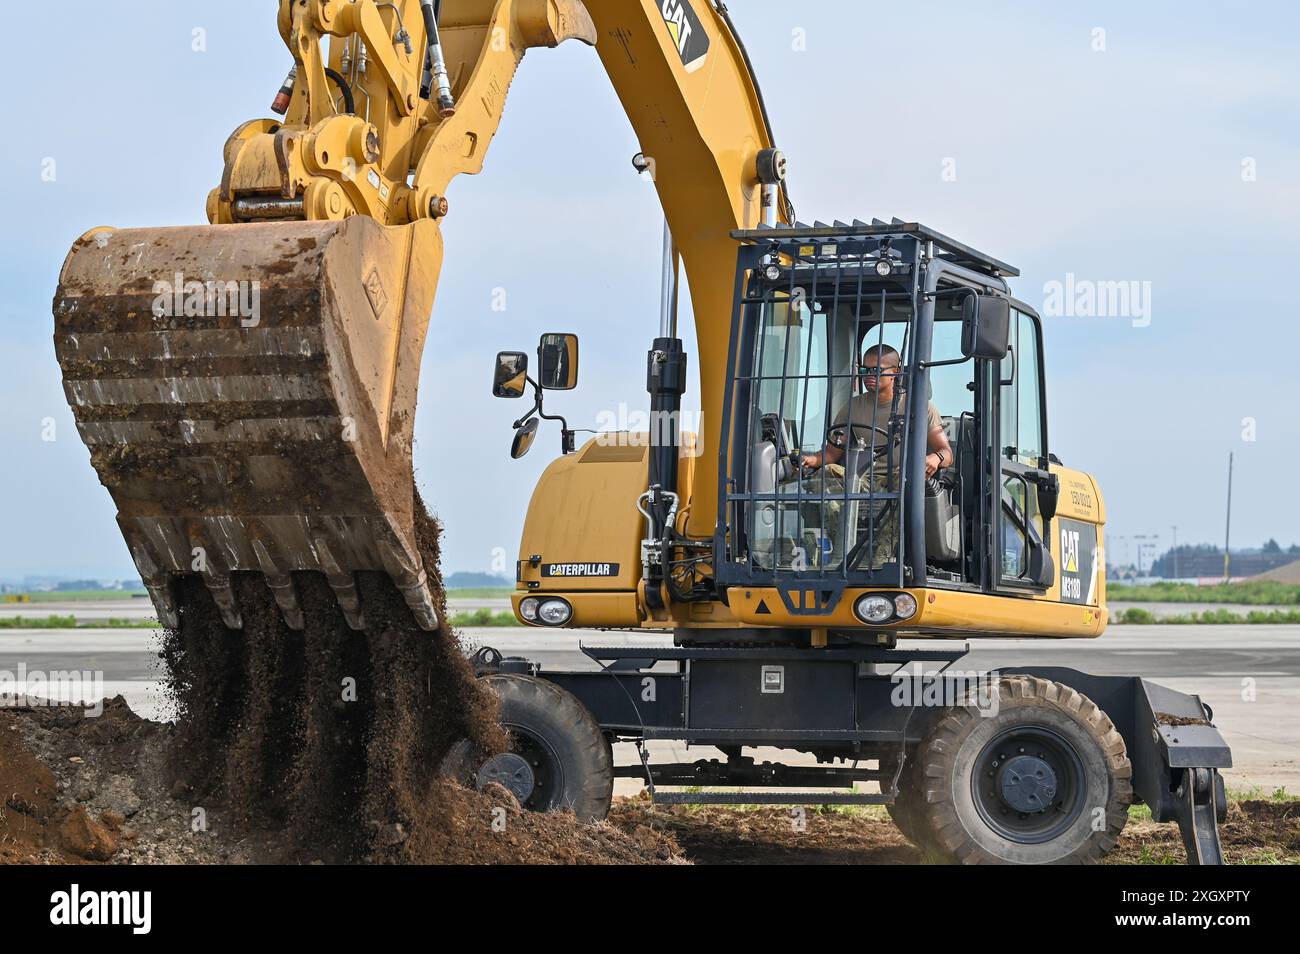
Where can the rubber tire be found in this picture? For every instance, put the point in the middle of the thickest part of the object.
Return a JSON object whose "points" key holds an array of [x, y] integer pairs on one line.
{"points": [[582, 753], [907, 811], [950, 818]]}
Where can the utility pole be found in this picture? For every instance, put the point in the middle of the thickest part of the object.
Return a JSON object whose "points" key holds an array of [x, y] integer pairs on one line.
{"points": [[1174, 552], [1227, 530]]}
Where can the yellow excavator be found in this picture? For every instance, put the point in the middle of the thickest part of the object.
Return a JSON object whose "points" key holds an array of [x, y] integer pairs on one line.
{"points": [[871, 460]]}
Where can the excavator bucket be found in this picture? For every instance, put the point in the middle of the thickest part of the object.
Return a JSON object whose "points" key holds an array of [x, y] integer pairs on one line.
{"points": [[247, 393]]}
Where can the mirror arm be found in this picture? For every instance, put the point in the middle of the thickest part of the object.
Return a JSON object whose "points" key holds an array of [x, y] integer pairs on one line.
{"points": [[567, 441], [537, 403], [566, 435], [944, 363]]}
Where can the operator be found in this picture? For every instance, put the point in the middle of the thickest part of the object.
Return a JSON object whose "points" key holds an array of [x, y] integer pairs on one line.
{"points": [[866, 421], [873, 408]]}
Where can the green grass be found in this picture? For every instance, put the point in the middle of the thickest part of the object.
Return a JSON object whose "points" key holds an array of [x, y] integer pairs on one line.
{"points": [[484, 617], [1137, 616], [71, 622], [480, 593], [1139, 813], [1257, 794], [481, 617], [1253, 593], [69, 596]]}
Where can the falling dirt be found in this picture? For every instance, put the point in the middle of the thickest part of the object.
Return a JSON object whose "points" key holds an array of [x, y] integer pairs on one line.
{"points": [[335, 737], [288, 747]]}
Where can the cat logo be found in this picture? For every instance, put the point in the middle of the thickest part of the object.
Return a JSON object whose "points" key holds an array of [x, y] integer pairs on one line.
{"points": [[1080, 560], [1070, 550], [687, 32]]}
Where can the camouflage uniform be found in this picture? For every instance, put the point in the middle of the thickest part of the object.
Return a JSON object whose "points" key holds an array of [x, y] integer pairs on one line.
{"points": [[827, 515]]}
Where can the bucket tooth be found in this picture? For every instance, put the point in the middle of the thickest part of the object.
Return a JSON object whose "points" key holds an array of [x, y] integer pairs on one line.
{"points": [[281, 586], [164, 604], [224, 596], [343, 584], [419, 598], [215, 576], [157, 583], [407, 571]]}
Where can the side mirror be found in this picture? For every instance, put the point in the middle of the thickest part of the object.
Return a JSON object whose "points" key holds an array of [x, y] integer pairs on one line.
{"points": [[511, 375], [525, 434], [557, 355], [985, 326]]}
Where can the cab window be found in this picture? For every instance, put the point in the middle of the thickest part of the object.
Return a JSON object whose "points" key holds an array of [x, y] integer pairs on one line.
{"points": [[1022, 393]]}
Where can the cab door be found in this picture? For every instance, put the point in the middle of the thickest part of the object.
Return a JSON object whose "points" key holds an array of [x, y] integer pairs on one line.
{"points": [[1021, 501]]}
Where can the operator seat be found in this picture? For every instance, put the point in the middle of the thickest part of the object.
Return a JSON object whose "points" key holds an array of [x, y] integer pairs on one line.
{"points": [[943, 504]]}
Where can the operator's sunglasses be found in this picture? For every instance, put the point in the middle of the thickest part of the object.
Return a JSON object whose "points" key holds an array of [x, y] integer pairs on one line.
{"points": [[878, 372]]}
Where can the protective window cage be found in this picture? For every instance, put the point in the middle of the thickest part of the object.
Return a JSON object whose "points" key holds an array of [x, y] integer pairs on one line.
{"points": [[820, 407]]}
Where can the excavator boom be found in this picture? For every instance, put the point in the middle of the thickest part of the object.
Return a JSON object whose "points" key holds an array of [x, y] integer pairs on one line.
{"points": [[247, 389]]}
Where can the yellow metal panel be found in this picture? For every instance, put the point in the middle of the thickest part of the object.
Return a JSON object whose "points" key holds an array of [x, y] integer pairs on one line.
{"points": [[583, 510], [703, 129], [942, 613]]}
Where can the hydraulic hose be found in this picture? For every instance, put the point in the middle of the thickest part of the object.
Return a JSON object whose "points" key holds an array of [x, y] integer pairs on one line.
{"points": [[349, 101], [437, 64]]}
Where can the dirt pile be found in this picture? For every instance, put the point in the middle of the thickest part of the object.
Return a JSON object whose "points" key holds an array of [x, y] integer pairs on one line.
{"points": [[718, 835], [1256, 832], [104, 791], [314, 746], [29, 799]]}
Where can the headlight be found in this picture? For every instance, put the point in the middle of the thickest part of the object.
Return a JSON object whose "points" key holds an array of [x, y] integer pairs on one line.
{"points": [[873, 608], [528, 608], [554, 612], [884, 267], [773, 272], [905, 604]]}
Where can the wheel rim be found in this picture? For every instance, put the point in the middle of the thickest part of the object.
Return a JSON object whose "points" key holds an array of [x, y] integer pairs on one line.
{"points": [[1028, 784], [510, 770], [531, 770]]}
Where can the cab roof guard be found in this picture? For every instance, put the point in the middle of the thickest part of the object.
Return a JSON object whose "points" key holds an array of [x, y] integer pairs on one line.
{"points": [[949, 249]]}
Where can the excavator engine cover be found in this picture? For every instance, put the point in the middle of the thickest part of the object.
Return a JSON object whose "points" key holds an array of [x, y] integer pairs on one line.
{"points": [[247, 393]]}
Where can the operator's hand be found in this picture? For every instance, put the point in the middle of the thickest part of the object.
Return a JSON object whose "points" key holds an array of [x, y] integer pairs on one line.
{"points": [[811, 461], [932, 464]]}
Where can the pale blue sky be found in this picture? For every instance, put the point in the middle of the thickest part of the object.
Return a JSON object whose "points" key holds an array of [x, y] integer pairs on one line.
{"points": [[1117, 165]]}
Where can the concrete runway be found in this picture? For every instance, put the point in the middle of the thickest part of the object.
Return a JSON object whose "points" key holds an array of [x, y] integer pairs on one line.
{"points": [[1250, 675]]}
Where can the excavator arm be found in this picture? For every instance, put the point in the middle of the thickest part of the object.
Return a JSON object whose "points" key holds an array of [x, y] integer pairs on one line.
{"points": [[247, 389]]}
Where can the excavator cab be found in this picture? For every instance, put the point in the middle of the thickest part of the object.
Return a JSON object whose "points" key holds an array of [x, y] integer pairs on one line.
{"points": [[804, 390], [968, 360]]}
